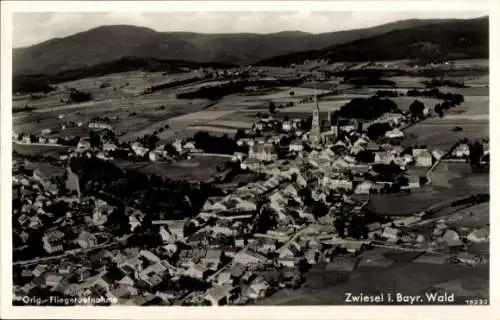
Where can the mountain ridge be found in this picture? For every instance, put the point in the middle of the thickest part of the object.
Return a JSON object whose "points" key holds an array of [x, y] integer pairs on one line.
{"points": [[108, 43]]}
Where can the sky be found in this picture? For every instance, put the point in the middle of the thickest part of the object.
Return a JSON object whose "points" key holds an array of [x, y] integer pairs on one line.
{"points": [[31, 28]]}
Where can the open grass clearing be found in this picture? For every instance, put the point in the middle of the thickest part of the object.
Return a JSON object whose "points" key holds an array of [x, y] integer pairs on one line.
{"points": [[405, 102], [284, 93], [213, 129], [231, 124], [460, 178], [196, 168], [439, 134], [474, 217], [39, 150], [408, 278]]}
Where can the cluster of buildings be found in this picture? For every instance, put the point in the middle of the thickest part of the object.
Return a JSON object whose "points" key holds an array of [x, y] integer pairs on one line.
{"points": [[241, 247]]}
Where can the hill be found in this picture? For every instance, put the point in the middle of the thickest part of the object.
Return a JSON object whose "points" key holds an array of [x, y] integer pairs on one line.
{"points": [[108, 43], [448, 39]]}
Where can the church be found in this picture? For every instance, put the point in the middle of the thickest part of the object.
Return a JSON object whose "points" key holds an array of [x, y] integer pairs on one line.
{"points": [[322, 130]]}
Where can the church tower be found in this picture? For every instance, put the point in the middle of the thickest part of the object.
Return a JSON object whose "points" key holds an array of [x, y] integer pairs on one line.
{"points": [[315, 134]]}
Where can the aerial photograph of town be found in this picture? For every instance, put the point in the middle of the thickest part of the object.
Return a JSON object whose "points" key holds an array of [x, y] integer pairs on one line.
{"points": [[323, 163]]}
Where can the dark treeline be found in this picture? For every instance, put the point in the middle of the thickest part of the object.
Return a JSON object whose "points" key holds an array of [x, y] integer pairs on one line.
{"points": [[212, 144], [217, 92], [174, 84], [158, 197], [387, 93], [42, 82], [435, 93], [366, 109], [79, 96], [434, 83]]}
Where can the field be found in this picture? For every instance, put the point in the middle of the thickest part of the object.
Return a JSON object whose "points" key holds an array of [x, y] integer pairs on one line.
{"points": [[39, 150], [405, 102], [402, 204], [327, 288], [284, 93], [460, 178], [438, 134], [474, 218], [197, 168]]}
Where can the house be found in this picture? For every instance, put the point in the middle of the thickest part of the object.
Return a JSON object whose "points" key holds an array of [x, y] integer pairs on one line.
{"points": [[413, 182], [224, 278], [353, 246], [83, 145], [286, 125], [220, 295], [461, 151], [263, 152], [53, 280], [257, 290], [437, 153], [196, 271], [287, 261], [450, 236], [237, 270], [100, 125], [39, 270], [249, 257], [108, 146], [213, 257], [165, 235], [384, 157], [296, 146], [479, 235], [405, 222], [467, 258], [86, 240], [267, 245], [364, 187], [311, 256], [53, 241], [239, 243], [423, 158], [45, 132], [394, 134], [391, 234]]}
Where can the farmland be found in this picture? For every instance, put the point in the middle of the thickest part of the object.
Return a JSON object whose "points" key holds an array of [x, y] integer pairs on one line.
{"points": [[329, 288], [39, 150], [197, 168], [460, 178]]}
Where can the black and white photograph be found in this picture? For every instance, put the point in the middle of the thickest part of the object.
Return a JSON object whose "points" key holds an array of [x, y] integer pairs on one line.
{"points": [[249, 158]]}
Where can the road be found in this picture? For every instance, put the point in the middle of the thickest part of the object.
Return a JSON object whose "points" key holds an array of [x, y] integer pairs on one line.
{"points": [[72, 253], [198, 154]]}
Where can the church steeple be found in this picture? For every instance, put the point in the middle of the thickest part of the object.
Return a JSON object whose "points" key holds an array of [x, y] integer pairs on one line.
{"points": [[315, 134]]}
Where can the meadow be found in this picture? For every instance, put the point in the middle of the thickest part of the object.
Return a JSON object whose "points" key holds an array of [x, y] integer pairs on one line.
{"points": [[326, 288], [194, 169], [39, 150], [438, 134]]}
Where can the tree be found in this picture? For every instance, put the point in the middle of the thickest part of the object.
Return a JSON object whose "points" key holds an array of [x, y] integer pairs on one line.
{"points": [[365, 156], [439, 110], [417, 109], [476, 152], [319, 210], [95, 139], [377, 130], [240, 134], [272, 107], [292, 93], [265, 220]]}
